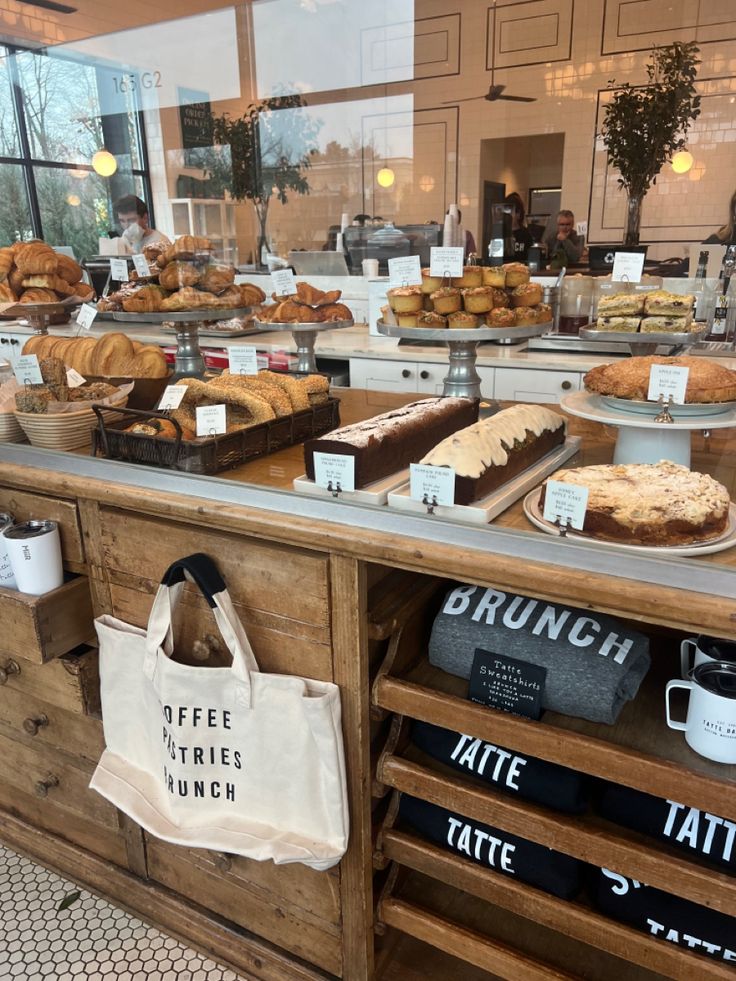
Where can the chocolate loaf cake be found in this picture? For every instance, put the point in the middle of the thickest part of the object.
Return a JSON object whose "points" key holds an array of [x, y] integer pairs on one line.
{"points": [[486, 455], [388, 443]]}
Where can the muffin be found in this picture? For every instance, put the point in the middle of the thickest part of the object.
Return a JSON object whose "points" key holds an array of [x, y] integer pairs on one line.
{"points": [[462, 321], [501, 298], [516, 274], [427, 302], [407, 319], [525, 316], [527, 295], [494, 276], [500, 317], [431, 320], [472, 276], [430, 283], [544, 313], [405, 299], [446, 299], [479, 299]]}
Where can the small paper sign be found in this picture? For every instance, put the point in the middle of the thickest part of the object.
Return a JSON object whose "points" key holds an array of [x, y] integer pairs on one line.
{"points": [[405, 271], [667, 380], [74, 379], [446, 261], [86, 315], [507, 683], [119, 270], [26, 370], [628, 267], [565, 503], [581, 227], [141, 265], [431, 485], [243, 360], [172, 397], [283, 282], [211, 420], [334, 471]]}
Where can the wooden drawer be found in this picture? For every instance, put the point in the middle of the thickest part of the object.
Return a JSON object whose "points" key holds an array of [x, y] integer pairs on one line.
{"points": [[38, 628], [50, 775], [39, 724], [25, 506], [71, 682], [290, 905]]}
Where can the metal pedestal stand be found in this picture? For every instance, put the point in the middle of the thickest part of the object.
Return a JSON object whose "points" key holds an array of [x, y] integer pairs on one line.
{"points": [[305, 336], [641, 345], [462, 379], [39, 315]]}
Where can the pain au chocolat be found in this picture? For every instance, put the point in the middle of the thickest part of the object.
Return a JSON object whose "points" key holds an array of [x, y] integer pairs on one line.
{"points": [[707, 380], [650, 503]]}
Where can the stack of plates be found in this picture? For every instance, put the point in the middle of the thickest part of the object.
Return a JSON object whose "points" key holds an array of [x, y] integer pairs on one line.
{"points": [[63, 430], [10, 430]]}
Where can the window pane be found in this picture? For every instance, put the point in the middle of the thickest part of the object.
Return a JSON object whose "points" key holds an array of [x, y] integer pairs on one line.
{"points": [[9, 144], [15, 215], [75, 210]]}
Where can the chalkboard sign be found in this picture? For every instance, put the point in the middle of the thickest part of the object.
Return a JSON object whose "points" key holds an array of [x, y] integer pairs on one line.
{"points": [[196, 120]]}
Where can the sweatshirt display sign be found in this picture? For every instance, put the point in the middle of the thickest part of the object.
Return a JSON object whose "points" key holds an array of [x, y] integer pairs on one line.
{"points": [[506, 683], [594, 663], [225, 758]]}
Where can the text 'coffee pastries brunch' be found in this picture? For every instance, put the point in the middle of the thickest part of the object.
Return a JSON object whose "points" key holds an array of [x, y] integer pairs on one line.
{"points": [[707, 381], [32, 272]]}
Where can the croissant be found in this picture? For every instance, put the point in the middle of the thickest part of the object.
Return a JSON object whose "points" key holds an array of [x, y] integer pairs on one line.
{"points": [[6, 294], [37, 294], [50, 282], [148, 299], [217, 278], [6, 263], [177, 274], [84, 291], [15, 279], [229, 298], [68, 269], [185, 247], [292, 312], [189, 298], [36, 258], [251, 294], [334, 312]]}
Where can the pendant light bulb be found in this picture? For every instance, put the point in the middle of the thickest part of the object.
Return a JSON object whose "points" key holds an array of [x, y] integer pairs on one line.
{"points": [[682, 161], [385, 177], [104, 164]]}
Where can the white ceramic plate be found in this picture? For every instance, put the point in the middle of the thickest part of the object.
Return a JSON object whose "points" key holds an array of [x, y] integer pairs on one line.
{"points": [[696, 409], [533, 511]]}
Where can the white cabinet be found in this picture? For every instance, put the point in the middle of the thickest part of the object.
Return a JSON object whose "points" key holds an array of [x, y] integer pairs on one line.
{"points": [[427, 378], [534, 385], [11, 345]]}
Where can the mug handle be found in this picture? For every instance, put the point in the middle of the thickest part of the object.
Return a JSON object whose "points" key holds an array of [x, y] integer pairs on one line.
{"points": [[685, 647], [673, 723]]}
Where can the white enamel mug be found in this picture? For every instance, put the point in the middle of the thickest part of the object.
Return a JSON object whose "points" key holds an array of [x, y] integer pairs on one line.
{"points": [[34, 550], [704, 650], [710, 725]]}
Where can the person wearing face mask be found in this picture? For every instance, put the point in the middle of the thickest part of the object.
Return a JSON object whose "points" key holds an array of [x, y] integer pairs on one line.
{"points": [[562, 236], [132, 215]]}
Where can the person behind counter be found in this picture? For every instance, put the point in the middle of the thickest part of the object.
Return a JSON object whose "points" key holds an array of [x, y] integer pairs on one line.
{"points": [[518, 243], [563, 236], [726, 235], [132, 215]]}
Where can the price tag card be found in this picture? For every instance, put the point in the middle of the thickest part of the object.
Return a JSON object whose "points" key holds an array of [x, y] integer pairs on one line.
{"points": [[26, 370], [667, 380], [211, 420], [119, 270], [74, 379], [172, 397], [141, 265], [431, 485], [243, 360], [335, 471], [507, 683], [283, 282], [446, 262], [566, 503], [405, 271], [86, 315], [627, 266]]}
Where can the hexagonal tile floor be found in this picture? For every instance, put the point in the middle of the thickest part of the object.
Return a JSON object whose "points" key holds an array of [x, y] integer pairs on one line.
{"points": [[89, 940]]}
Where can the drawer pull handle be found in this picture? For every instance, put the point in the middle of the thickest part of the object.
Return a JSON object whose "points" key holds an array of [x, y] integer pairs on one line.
{"points": [[31, 726], [42, 787], [424, 374], [406, 373], [566, 386], [222, 860], [5, 672]]}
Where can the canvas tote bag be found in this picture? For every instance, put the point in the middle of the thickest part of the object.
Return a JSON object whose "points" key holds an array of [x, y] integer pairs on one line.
{"points": [[225, 758]]}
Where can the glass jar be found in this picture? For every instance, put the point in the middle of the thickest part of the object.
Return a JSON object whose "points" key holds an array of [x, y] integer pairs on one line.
{"points": [[576, 304]]}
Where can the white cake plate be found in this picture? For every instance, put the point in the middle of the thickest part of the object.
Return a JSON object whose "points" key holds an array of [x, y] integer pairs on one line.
{"points": [[374, 494], [462, 379], [533, 511], [489, 507], [641, 439]]}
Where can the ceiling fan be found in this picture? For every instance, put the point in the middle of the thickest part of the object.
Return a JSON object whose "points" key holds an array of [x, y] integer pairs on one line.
{"points": [[495, 92]]}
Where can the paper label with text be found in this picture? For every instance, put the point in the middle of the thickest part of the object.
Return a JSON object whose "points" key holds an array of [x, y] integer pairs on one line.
{"points": [[86, 315], [74, 379], [243, 359], [283, 282], [432, 485], [565, 503], [172, 397], [446, 261], [211, 420], [507, 683], [26, 370], [405, 271], [627, 267], [119, 270], [334, 471], [141, 265], [667, 380]]}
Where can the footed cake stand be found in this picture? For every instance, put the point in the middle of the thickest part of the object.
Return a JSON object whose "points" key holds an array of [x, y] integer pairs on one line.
{"points": [[462, 378], [304, 337], [640, 344], [642, 438], [40, 315]]}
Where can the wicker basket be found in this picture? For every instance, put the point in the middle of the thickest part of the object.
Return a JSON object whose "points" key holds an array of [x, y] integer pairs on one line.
{"points": [[64, 430], [10, 429], [209, 456]]}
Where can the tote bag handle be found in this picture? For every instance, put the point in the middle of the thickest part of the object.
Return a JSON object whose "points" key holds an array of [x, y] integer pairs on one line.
{"points": [[200, 569]]}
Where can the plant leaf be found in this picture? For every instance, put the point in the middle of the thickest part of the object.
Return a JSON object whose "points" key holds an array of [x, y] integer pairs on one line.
{"points": [[68, 900]]}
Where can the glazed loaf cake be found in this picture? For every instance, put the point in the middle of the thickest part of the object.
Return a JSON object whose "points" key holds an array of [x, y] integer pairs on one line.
{"points": [[649, 503], [388, 443], [487, 454]]}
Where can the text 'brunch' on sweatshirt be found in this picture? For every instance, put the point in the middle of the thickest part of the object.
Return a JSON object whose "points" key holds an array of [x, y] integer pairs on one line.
{"points": [[594, 662]]}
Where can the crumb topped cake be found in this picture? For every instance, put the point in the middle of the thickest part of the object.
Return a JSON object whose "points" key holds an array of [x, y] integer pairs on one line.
{"points": [[650, 503], [707, 381]]}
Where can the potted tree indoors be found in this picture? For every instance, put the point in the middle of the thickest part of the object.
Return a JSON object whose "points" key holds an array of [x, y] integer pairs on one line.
{"points": [[644, 126]]}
